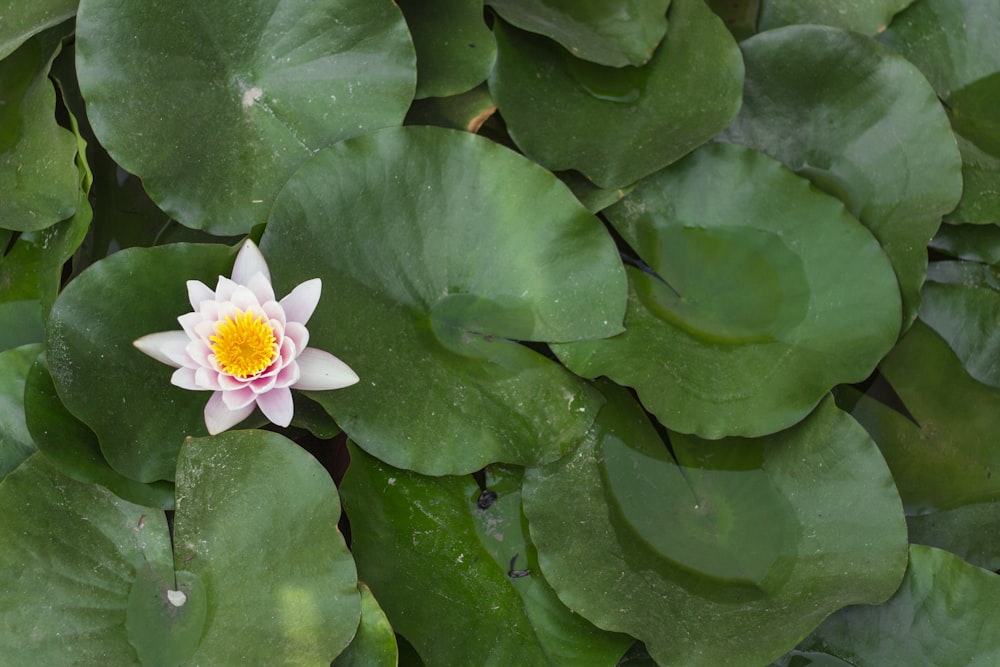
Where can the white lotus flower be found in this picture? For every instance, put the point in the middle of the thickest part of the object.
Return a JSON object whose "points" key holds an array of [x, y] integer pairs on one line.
{"points": [[246, 347]]}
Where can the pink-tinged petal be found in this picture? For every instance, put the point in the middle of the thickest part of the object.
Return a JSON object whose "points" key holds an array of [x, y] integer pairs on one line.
{"points": [[249, 261], [321, 371], [207, 378], [238, 398], [199, 351], [204, 330], [224, 289], [189, 322], [301, 301], [288, 375], [185, 378], [230, 383], [277, 406], [263, 384], [299, 334], [274, 312], [219, 418], [198, 292], [261, 288], [166, 347], [209, 310], [244, 299], [287, 352]]}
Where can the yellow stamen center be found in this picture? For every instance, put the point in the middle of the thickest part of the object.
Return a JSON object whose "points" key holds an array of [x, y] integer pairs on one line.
{"points": [[244, 345]]}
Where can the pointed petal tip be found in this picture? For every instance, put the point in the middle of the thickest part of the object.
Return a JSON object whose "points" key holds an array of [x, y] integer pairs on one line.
{"points": [[249, 262], [219, 418], [321, 371]]}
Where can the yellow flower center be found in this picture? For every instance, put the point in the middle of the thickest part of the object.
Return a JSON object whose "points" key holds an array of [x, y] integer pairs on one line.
{"points": [[244, 345]]}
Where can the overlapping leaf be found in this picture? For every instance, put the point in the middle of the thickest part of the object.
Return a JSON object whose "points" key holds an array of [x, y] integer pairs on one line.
{"points": [[425, 543], [616, 125], [455, 49], [214, 105], [759, 287], [865, 16], [38, 175], [944, 456], [861, 123], [943, 615], [256, 546], [846, 543], [22, 20], [15, 442], [374, 644], [447, 250], [616, 34], [953, 42]]}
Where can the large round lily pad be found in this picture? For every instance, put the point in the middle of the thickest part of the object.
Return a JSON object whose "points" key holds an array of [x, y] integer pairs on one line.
{"points": [[865, 16], [766, 294], [845, 543], [861, 123], [438, 251], [616, 125], [215, 104]]}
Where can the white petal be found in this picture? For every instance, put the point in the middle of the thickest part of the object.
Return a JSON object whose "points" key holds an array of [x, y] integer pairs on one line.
{"points": [[277, 406], [185, 379], [189, 321], [207, 378], [219, 418], [301, 301], [288, 375], [321, 371], [297, 334], [261, 287], [244, 299], [249, 262], [167, 347], [238, 398], [198, 292], [224, 289]]}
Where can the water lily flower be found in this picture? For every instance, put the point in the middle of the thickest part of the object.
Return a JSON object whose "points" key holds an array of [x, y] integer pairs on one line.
{"points": [[246, 347]]}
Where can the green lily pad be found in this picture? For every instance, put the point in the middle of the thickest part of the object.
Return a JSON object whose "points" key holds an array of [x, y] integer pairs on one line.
{"points": [[165, 616], [961, 302], [615, 34], [862, 124], [616, 125], [849, 545], [467, 111], [979, 243], [22, 20], [124, 396], [73, 448], [257, 522], [867, 17], [38, 175], [87, 574], [945, 456], [758, 289], [215, 105], [69, 554], [740, 16], [455, 49], [720, 517], [953, 42], [943, 615], [15, 441], [971, 532], [460, 581], [470, 249], [374, 645]]}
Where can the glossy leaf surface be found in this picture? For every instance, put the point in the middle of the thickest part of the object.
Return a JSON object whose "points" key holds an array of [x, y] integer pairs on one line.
{"points": [[759, 287], [862, 124], [425, 544], [623, 585], [943, 615], [427, 296], [455, 49], [15, 441], [257, 523], [22, 20], [38, 175], [374, 644], [214, 105], [865, 16], [617, 125], [945, 456], [616, 34]]}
